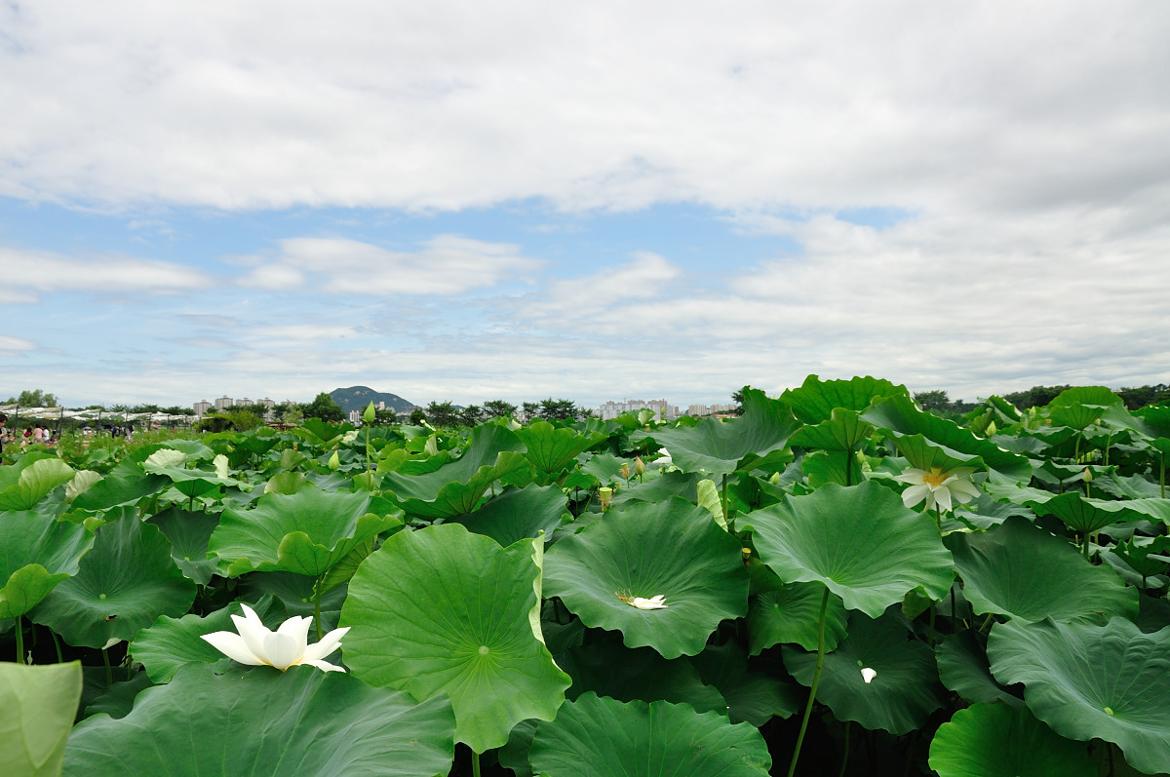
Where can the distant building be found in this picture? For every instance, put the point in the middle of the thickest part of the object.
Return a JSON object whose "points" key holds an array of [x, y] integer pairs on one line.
{"points": [[355, 416], [244, 401], [201, 407], [663, 410], [698, 411], [223, 403]]}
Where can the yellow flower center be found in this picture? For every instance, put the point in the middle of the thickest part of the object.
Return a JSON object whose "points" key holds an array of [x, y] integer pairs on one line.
{"points": [[934, 478]]}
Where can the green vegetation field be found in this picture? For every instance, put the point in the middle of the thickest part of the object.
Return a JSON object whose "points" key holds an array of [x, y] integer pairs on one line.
{"points": [[836, 582]]}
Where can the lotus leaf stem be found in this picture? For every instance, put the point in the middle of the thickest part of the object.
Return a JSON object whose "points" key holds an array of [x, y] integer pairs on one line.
{"points": [[19, 640], [1162, 476], [816, 681], [317, 615], [848, 466], [57, 646], [845, 753], [109, 669], [474, 763]]}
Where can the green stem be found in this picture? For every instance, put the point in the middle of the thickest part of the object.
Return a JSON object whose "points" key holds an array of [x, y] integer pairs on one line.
{"points": [[19, 639], [938, 516], [848, 466], [816, 681], [986, 622], [726, 517], [1162, 476], [474, 764], [1085, 545], [109, 669], [845, 755], [317, 615], [57, 646]]}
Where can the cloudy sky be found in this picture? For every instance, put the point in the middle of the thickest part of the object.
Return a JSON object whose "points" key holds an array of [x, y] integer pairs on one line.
{"points": [[595, 200]]}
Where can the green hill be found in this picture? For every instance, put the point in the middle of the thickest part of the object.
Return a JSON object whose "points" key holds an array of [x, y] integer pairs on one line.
{"points": [[357, 397]]}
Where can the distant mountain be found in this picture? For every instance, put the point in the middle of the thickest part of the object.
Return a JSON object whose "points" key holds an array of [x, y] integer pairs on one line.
{"points": [[357, 397]]}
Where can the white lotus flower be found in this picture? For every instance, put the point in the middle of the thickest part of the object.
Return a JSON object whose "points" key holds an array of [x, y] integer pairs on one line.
{"points": [[653, 603], [868, 674], [936, 486], [349, 436], [222, 468], [288, 646]]}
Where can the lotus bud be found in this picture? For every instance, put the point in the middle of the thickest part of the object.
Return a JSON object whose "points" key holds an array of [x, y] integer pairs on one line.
{"points": [[334, 461], [774, 479], [991, 429], [625, 471], [639, 466], [369, 414], [1088, 475], [605, 494]]}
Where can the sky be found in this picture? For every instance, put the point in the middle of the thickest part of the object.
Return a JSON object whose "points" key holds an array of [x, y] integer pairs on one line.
{"points": [[604, 200]]}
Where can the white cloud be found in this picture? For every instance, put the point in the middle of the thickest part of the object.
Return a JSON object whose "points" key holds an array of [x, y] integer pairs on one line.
{"points": [[12, 344], [299, 333], [443, 265], [646, 275], [25, 273], [449, 105]]}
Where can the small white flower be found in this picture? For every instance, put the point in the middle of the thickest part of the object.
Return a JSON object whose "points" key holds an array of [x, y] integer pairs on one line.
{"points": [[349, 436], [868, 674], [222, 468], [936, 486], [288, 646], [653, 603]]}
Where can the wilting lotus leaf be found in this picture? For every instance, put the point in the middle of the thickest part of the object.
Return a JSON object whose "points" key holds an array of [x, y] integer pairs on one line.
{"points": [[900, 418], [36, 553], [37, 707], [170, 643], [263, 722], [898, 699], [518, 513], [306, 532], [994, 740], [722, 447], [1021, 570], [816, 399], [455, 488], [444, 611], [790, 615], [599, 737], [23, 485], [122, 585], [1089, 681], [671, 549], [753, 693], [551, 449], [859, 541], [962, 667]]}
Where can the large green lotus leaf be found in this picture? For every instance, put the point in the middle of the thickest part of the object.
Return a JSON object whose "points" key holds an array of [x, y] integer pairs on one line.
{"points": [[859, 541], [306, 532], [722, 447], [34, 481], [1022, 571], [600, 737], [123, 584], [263, 722], [816, 399], [898, 699], [36, 553], [604, 467], [118, 699], [455, 488], [445, 611], [193, 482], [189, 533], [551, 449], [925, 454], [37, 707], [519, 513], [170, 643], [684, 485], [994, 740], [962, 667], [901, 418], [608, 668], [791, 615], [1089, 681], [843, 431], [672, 549], [823, 467], [1080, 406], [116, 490], [753, 693], [1085, 515]]}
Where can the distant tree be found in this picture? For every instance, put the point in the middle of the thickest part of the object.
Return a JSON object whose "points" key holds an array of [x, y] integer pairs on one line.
{"points": [[498, 408], [178, 410], [1037, 396], [146, 409], [417, 416], [558, 410], [530, 410], [1141, 396], [33, 398], [471, 415], [737, 399], [385, 417], [935, 399], [323, 407], [442, 414]]}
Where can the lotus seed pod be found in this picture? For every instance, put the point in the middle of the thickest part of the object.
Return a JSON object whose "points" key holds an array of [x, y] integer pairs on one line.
{"points": [[639, 465], [605, 494]]}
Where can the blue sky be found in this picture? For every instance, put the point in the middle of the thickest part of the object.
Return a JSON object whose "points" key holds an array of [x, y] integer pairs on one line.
{"points": [[599, 202]]}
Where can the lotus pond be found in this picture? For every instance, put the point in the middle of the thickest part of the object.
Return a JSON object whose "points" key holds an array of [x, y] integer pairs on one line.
{"points": [[834, 583]]}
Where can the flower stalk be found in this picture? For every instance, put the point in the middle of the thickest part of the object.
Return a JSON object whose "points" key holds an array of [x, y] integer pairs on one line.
{"points": [[816, 681]]}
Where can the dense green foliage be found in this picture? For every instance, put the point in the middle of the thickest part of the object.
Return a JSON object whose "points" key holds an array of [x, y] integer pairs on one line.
{"points": [[837, 581]]}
